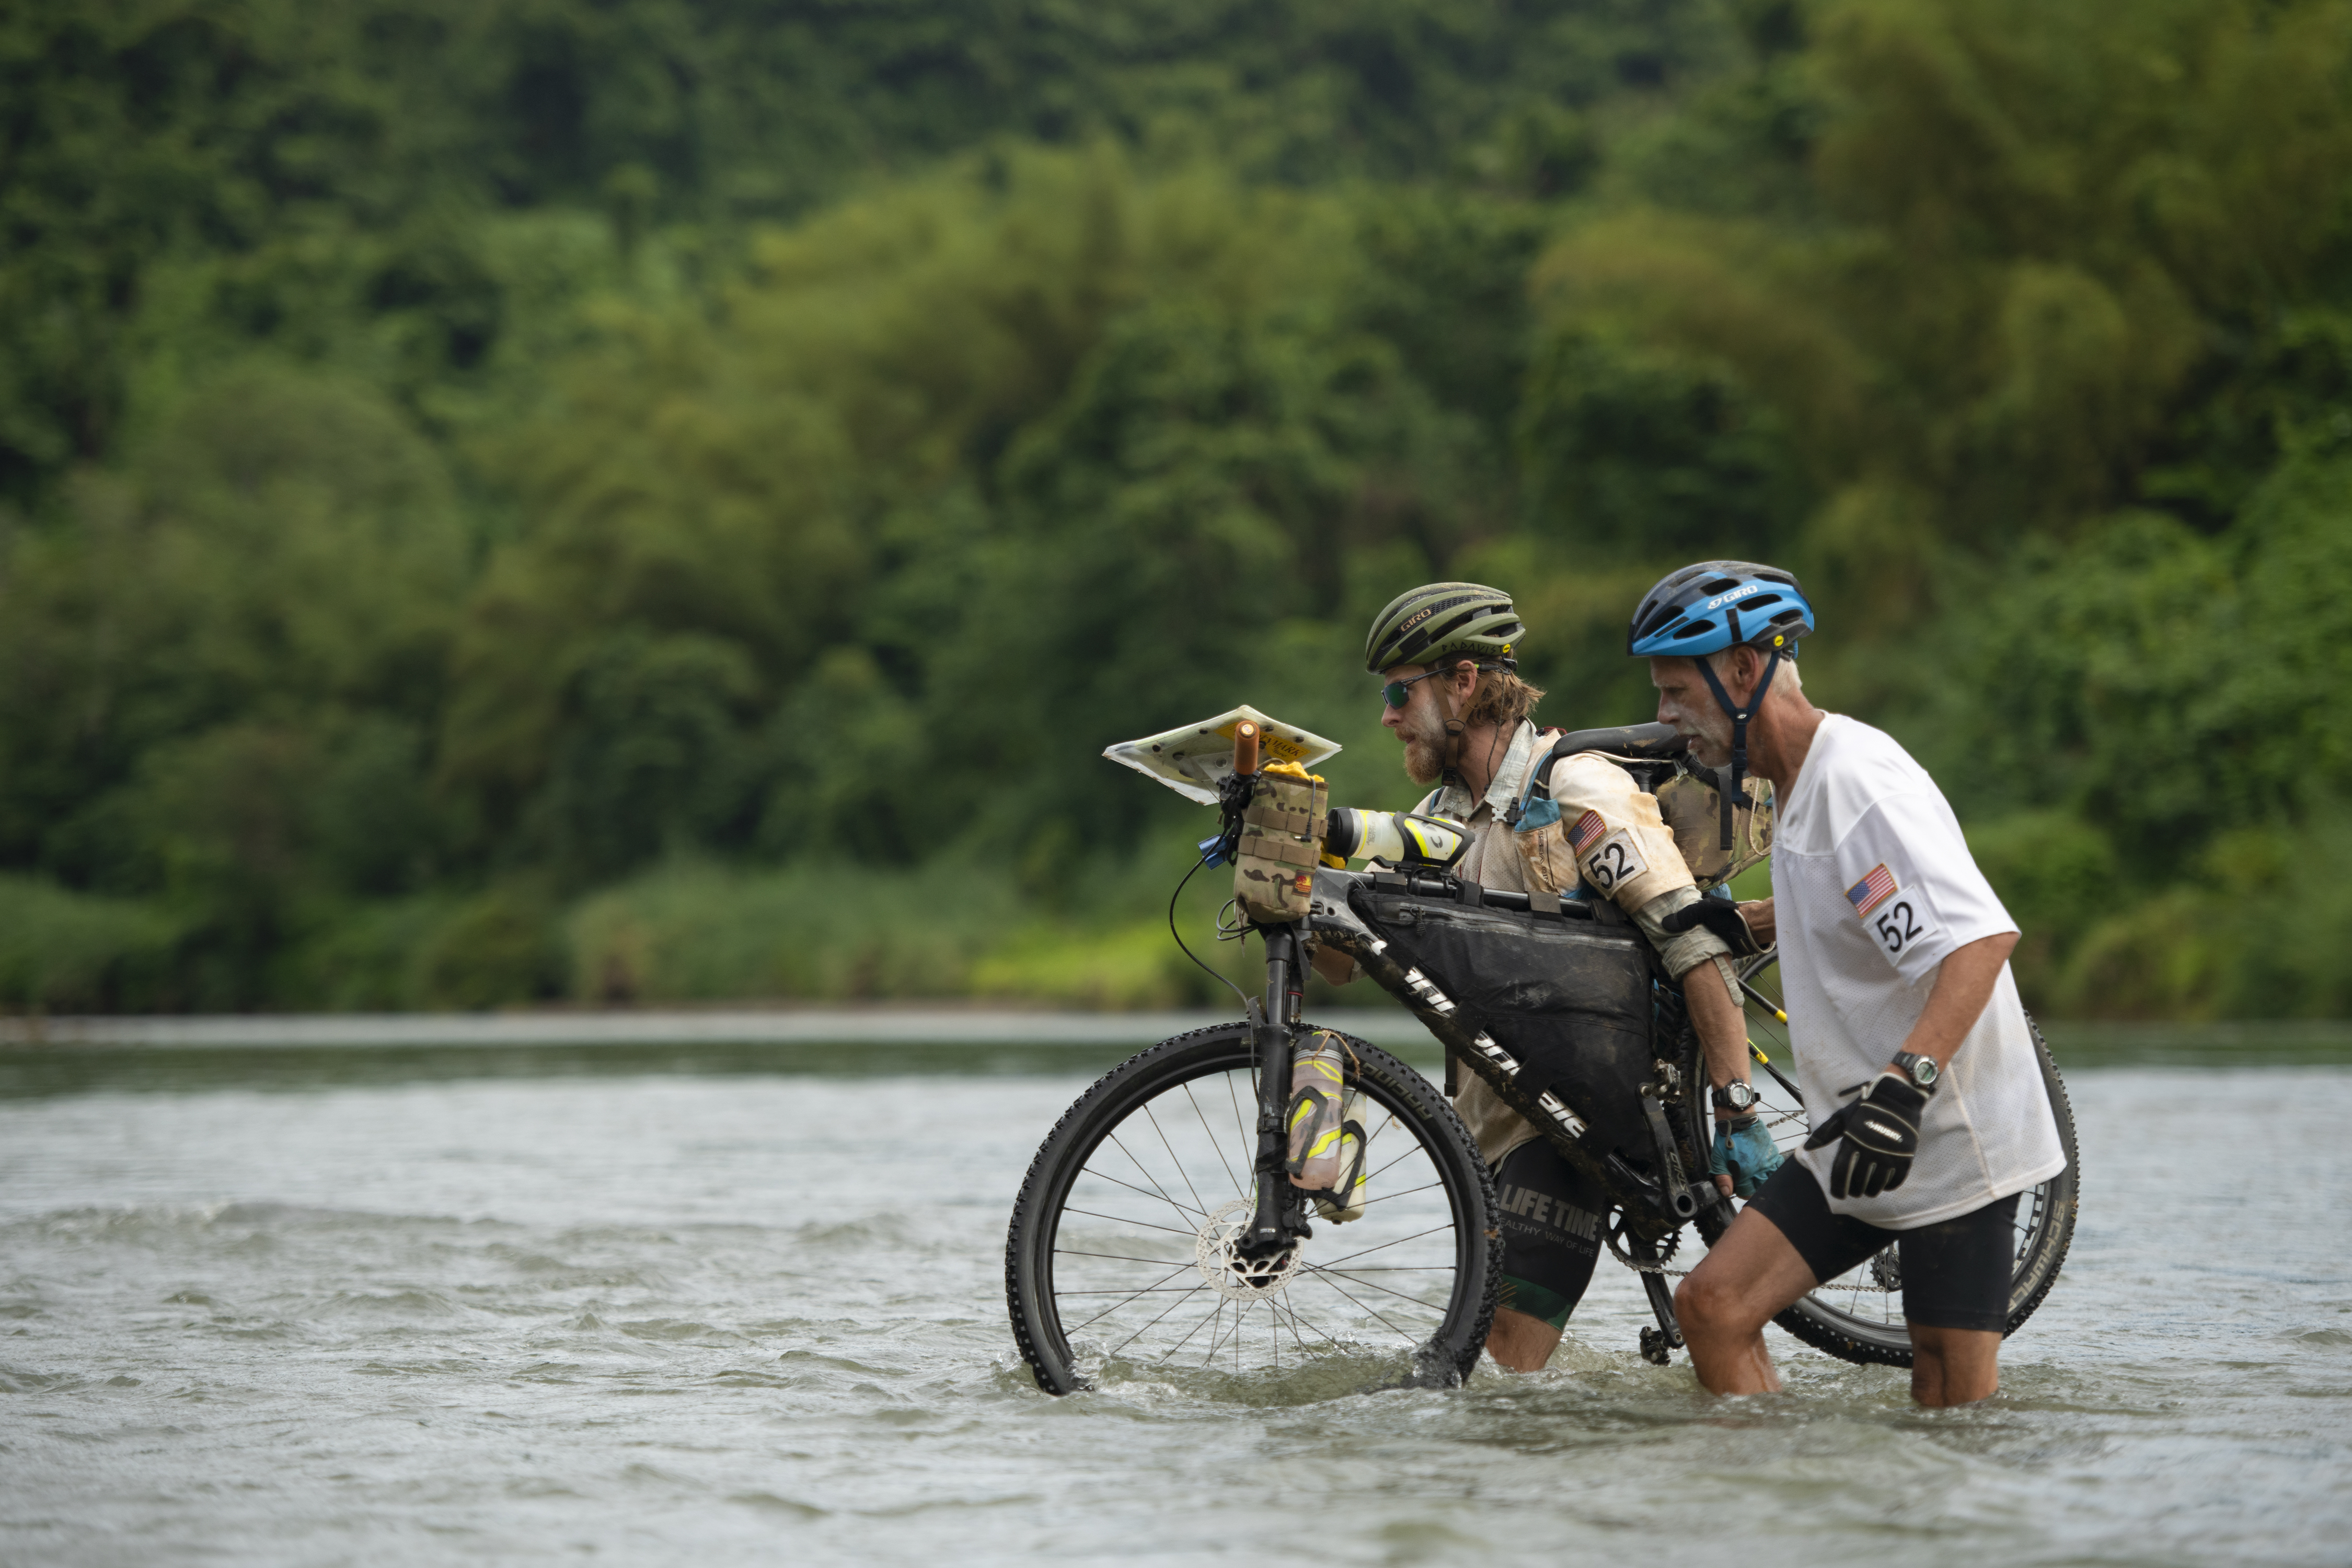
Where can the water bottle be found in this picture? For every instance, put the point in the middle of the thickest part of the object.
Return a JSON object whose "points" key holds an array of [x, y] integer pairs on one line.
{"points": [[1326, 1127]]}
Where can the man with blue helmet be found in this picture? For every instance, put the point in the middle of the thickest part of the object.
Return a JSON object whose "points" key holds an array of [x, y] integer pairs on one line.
{"points": [[1928, 1112]]}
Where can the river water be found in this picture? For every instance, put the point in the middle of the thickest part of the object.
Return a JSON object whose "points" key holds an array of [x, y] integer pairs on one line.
{"points": [[327, 1317]]}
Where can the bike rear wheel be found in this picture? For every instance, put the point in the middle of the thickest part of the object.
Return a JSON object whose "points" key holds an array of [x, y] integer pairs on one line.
{"points": [[1858, 1316], [1122, 1260]]}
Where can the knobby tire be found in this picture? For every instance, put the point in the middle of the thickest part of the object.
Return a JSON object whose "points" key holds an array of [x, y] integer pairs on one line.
{"points": [[1099, 1121]]}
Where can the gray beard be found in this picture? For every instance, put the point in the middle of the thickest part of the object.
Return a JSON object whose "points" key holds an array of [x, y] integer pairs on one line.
{"points": [[1709, 735]]}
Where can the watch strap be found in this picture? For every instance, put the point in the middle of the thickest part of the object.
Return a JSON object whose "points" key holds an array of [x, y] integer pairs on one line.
{"points": [[1908, 1064]]}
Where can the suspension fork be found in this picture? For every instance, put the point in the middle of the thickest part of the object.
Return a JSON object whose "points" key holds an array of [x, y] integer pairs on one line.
{"points": [[1271, 1022]]}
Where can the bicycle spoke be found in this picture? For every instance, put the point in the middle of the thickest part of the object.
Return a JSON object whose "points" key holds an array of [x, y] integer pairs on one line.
{"points": [[1400, 1241], [1216, 1339], [1180, 1344], [1405, 1194], [1291, 1307], [1149, 1326], [1148, 1291], [1171, 1155], [1116, 1257], [1393, 1164], [1140, 1223], [1368, 1285], [1325, 1276], [1130, 1186], [1238, 1191], [1146, 1174], [1395, 1268]]}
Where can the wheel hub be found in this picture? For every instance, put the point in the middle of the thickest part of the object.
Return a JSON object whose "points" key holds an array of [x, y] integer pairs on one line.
{"points": [[1236, 1274]]}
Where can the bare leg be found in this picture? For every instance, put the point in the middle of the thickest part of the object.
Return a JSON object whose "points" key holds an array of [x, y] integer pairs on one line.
{"points": [[1519, 1342], [1954, 1366], [1723, 1306]]}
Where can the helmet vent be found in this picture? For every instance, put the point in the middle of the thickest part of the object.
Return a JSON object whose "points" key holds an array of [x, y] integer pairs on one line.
{"points": [[1693, 629], [1717, 584]]}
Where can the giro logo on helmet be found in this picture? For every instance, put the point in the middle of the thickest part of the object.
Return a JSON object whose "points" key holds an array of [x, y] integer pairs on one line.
{"points": [[1722, 599]]}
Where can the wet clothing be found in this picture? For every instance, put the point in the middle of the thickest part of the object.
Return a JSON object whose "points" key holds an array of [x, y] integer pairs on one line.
{"points": [[1610, 839], [1643, 870], [1873, 887], [1955, 1272], [1551, 1220]]}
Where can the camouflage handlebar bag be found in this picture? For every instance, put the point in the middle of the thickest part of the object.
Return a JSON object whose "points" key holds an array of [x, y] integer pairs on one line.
{"points": [[1281, 844]]}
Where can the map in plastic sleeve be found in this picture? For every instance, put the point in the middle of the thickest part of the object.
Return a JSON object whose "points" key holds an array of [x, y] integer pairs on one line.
{"points": [[1194, 759]]}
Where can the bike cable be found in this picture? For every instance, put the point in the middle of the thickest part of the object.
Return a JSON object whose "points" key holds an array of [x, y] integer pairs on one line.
{"points": [[1187, 951]]}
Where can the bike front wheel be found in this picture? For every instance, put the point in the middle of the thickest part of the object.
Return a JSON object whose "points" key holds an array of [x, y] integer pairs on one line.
{"points": [[1125, 1257]]}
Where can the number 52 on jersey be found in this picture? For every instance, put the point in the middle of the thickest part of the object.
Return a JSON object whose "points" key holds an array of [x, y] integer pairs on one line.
{"points": [[1891, 920]]}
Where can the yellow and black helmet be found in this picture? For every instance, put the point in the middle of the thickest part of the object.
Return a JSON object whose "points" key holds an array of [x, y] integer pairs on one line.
{"points": [[1439, 618]]}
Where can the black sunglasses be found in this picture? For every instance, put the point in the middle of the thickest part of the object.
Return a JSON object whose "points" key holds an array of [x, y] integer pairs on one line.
{"points": [[1399, 692]]}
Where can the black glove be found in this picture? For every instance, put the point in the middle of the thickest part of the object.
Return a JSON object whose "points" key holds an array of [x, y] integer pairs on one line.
{"points": [[1720, 916], [1881, 1129]]}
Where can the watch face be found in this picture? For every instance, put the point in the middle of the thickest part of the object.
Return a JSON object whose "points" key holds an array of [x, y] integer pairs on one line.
{"points": [[1738, 1096], [1922, 1070]]}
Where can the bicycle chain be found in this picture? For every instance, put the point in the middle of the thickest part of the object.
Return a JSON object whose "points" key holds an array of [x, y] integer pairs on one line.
{"points": [[1658, 1266]]}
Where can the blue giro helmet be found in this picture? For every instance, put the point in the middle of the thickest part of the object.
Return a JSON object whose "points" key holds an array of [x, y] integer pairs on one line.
{"points": [[1717, 604]]}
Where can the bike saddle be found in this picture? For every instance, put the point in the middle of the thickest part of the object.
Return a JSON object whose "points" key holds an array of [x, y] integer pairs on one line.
{"points": [[1649, 742]]}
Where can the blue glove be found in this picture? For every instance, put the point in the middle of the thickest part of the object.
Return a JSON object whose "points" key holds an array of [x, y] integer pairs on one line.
{"points": [[1744, 1153]]}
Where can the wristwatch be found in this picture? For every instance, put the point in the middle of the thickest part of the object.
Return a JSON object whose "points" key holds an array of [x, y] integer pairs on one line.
{"points": [[1920, 1070], [1737, 1096]]}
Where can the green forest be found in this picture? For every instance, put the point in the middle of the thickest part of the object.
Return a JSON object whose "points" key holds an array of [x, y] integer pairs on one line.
{"points": [[666, 500]]}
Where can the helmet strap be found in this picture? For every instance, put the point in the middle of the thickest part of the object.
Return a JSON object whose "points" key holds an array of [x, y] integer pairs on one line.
{"points": [[1740, 716], [1454, 730]]}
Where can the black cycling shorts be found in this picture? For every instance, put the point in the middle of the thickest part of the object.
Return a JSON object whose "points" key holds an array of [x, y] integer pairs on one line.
{"points": [[1552, 1232], [1955, 1272]]}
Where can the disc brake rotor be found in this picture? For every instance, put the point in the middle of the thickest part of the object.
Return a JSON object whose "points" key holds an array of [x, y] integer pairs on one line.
{"points": [[1231, 1272]]}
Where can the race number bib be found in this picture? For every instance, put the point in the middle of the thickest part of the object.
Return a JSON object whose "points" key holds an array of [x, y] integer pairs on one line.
{"points": [[1878, 902], [1610, 859]]}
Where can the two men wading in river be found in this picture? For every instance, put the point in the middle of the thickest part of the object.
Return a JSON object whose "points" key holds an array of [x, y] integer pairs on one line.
{"points": [[1927, 1108]]}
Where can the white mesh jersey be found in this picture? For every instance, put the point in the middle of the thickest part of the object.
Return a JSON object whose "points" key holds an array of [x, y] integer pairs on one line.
{"points": [[1872, 886]]}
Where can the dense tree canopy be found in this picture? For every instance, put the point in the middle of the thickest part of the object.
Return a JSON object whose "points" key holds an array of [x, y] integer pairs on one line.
{"points": [[533, 498]]}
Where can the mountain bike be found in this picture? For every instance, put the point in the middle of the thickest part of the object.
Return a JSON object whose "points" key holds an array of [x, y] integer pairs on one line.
{"points": [[1157, 1234]]}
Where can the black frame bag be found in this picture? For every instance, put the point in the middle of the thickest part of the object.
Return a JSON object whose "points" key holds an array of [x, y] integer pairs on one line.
{"points": [[1568, 994]]}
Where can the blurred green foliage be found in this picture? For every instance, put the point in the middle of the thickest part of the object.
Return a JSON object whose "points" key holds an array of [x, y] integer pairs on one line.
{"points": [[665, 501]]}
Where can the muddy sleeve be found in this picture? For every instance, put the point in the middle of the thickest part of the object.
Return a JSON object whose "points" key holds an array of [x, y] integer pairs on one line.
{"points": [[1682, 952], [1620, 842]]}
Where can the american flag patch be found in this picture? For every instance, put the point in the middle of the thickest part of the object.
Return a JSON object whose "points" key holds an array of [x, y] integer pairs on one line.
{"points": [[1587, 831], [1873, 890]]}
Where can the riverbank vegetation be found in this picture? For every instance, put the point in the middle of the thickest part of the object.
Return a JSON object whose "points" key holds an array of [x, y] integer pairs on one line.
{"points": [[667, 502]]}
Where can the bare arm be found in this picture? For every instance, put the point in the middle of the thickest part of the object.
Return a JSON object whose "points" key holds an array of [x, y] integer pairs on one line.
{"points": [[1722, 1032], [1964, 983], [1722, 1029]]}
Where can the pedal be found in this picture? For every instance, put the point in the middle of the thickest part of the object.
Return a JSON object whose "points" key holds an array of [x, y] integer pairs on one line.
{"points": [[1657, 1349]]}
